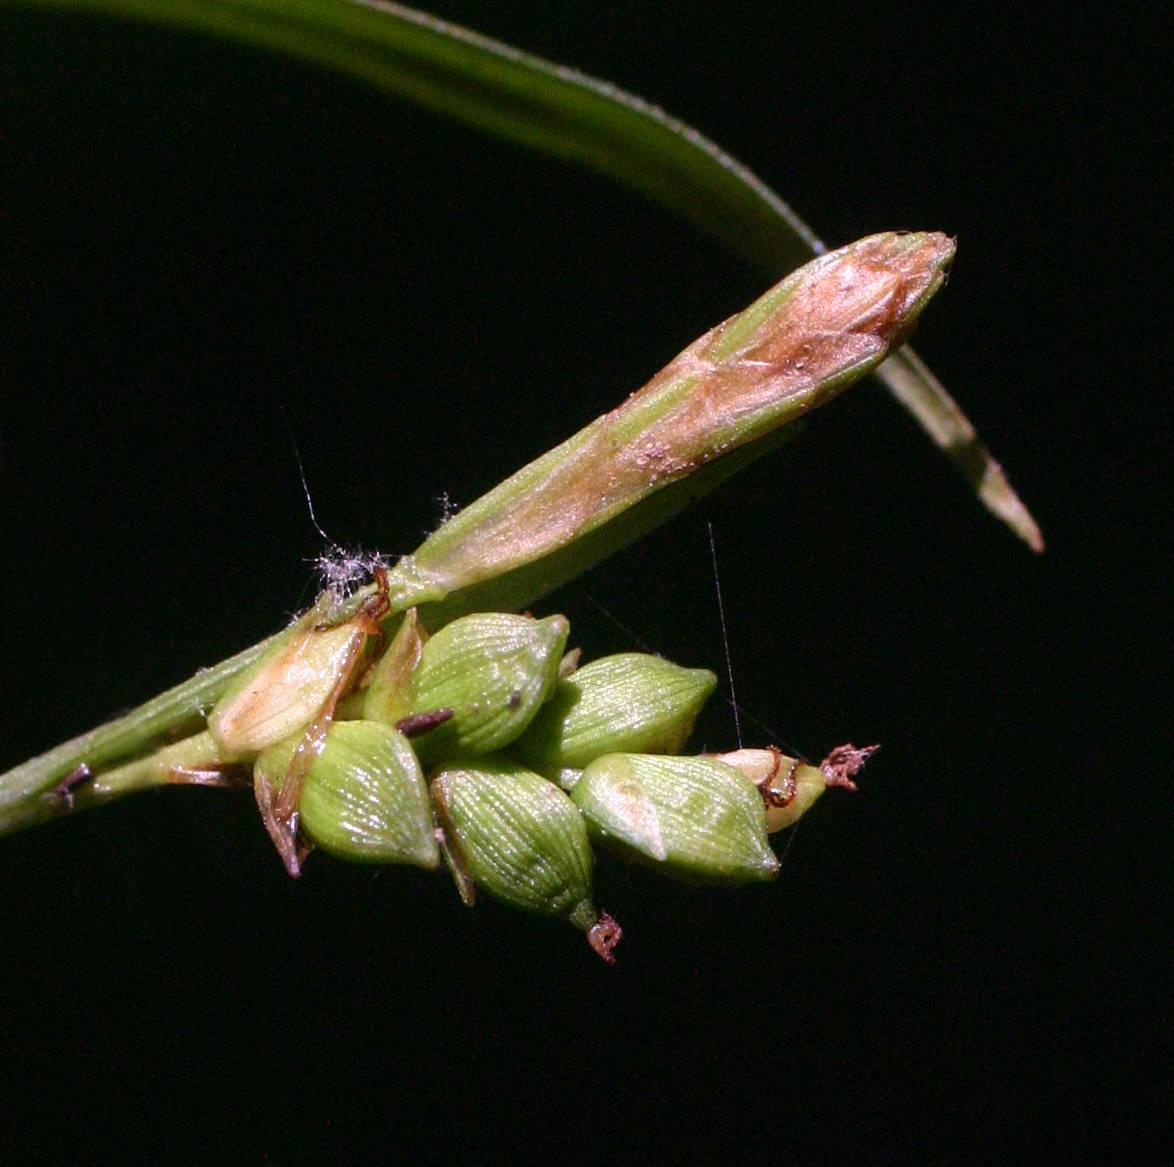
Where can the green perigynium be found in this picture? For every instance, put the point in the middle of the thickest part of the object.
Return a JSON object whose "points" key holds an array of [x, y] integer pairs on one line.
{"points": [[632, 701], [478, 683], [363, 797], [517, 835], [695, 819]]}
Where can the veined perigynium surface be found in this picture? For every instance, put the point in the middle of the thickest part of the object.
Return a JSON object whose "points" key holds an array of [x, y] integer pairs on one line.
{"points": [[696, 819], [363, 797], [417, 716], [477, 684], [632, 701]]}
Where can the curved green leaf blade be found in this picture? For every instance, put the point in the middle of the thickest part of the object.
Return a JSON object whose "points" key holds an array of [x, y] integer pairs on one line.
{"points": [[910, 380], [562, 112]]}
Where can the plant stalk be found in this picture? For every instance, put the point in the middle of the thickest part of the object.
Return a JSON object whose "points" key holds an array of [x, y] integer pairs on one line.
{"points": [[721, 401]]}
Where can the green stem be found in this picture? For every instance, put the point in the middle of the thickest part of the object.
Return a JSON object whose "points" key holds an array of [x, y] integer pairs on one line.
{"points": [[179, 710], [712, 408], [195, 761]]}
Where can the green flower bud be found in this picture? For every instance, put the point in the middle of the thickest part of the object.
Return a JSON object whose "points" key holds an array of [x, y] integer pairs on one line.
{"points": [[630, 703], [286, 689], [696, 819], [522, 839], [479, 682], [364, 796], [789, 787]]}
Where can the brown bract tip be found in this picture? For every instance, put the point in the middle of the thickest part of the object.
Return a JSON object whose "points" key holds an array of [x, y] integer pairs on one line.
{"points": [[604, 935], [282, 830], [844, 763], [417, 724], [75, 777], [874, 288]]}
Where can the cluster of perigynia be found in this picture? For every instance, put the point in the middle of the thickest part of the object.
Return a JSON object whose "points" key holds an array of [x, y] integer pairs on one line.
{"points": [[487, 744]]}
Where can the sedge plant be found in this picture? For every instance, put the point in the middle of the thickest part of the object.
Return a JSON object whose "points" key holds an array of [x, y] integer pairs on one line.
{"points": [[412, 714], [417, 715]]}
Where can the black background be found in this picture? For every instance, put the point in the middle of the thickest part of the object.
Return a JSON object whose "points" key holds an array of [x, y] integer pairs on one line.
{"points": [[962, 960]]}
